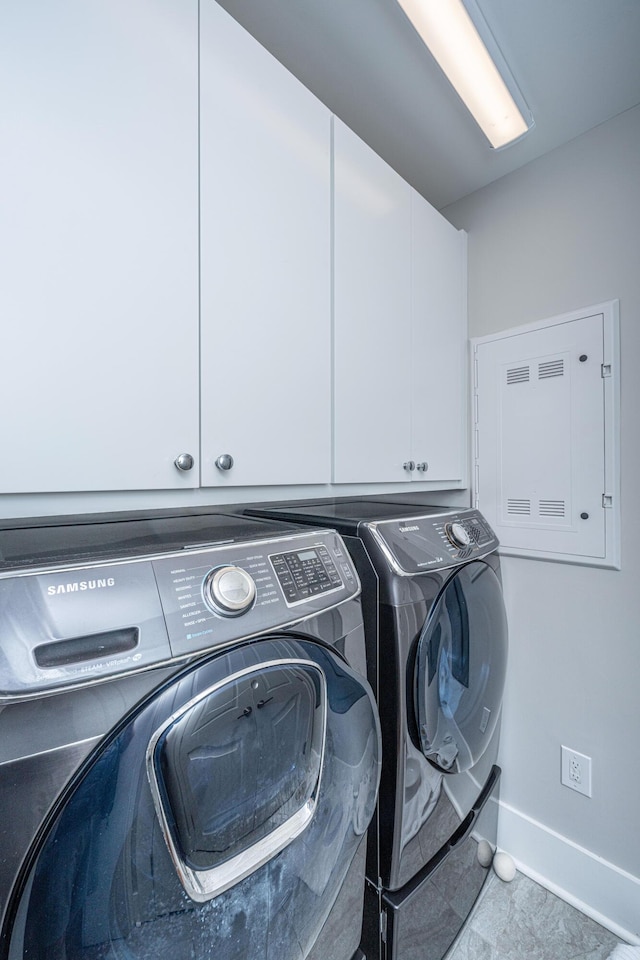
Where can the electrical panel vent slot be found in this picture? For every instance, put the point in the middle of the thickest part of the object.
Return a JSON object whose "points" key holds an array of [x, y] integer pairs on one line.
{"points": [[519, 507], [518, 375], [552, 508], [551, 368]]}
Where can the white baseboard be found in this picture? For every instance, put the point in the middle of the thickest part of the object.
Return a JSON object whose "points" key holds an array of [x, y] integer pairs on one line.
{"points": [[599, 889]]}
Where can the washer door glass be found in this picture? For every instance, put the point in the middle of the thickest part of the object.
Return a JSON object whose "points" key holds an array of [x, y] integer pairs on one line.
{"points": [[235, 773], [460, 669], [223, 818]]}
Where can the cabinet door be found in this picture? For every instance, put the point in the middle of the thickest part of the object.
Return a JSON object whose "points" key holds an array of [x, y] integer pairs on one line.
{"points": [[265, 255], [439, 344], [372, 392], [98, 244]]}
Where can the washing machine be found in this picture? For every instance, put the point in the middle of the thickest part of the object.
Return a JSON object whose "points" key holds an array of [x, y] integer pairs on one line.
{"points": [[437, 653], [189, 747]]}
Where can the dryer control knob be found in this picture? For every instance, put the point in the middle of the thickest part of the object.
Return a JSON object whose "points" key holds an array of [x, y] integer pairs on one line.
{"points": [[229, 590], [458, 534]]}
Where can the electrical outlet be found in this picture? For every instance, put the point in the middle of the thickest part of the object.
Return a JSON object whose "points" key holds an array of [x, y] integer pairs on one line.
{"points": [[575, 771]]}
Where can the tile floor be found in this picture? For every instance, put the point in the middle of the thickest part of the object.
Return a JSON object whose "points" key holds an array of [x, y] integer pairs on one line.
{"points": [[523, 921]]}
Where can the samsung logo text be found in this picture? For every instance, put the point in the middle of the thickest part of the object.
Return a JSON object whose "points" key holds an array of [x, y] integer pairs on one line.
{"points": [[79, 585], [409, 529]]}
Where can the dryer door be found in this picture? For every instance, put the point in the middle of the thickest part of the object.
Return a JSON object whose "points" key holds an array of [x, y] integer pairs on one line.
{"points": [[223, 818], [460, 669]]}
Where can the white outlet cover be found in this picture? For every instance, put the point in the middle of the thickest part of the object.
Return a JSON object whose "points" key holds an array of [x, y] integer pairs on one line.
{"points": [[575, 771]]}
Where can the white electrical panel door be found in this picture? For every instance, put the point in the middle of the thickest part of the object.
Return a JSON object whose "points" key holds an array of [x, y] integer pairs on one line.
{"points": [[544, 438]]}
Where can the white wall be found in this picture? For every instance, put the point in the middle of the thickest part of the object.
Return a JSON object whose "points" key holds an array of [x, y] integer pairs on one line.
{"points": [[564, 233]]}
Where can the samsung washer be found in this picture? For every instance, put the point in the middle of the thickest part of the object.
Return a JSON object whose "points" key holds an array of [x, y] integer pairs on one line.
{"points": [[437, 651], [189, 747]]}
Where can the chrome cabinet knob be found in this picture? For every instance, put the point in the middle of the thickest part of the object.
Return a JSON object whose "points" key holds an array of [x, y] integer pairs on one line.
{"points": [[423, 465], [409, 465], [184, 462], [224, 461]]}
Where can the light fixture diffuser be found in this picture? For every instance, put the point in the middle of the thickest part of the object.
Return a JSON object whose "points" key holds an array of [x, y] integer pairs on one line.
{"points": [[454, 40]]}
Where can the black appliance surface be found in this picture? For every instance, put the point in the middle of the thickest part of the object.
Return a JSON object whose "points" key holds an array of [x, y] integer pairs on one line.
{"points": [[78, 539], [436, 650], [189, 747]]}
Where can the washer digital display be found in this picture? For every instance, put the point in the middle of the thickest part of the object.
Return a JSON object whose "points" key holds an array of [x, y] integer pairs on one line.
{"points": [[305, 573]]}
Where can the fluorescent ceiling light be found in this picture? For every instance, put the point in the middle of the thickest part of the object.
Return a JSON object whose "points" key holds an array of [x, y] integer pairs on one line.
{"points": [[454, 40]]}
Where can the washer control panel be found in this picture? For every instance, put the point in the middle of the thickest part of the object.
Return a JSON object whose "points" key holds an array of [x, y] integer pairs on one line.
{"points": [[81, 623], [416, 544], [306, 573], [213, 596]]}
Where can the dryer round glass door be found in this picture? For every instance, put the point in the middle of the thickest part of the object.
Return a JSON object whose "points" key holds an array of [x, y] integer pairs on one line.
{"points": [[460, 669], [222, 818]]}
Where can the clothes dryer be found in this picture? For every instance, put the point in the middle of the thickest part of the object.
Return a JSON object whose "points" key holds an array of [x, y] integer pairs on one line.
{"points": [[437, 652], [190, 748]]}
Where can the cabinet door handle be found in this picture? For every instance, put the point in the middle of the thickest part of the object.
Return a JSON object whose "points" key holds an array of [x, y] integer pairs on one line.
{"points": [[184, 462], [409, 465], [423, 465], [224, 461]]}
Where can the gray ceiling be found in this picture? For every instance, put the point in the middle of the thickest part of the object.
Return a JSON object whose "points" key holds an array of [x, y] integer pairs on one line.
{"points": [[577, 63]]}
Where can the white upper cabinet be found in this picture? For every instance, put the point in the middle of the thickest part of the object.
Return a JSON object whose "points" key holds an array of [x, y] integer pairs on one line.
{"points": [[98, 244], [166, 274], [400, 326], [439, 344], [265, 262], [372, 315]]}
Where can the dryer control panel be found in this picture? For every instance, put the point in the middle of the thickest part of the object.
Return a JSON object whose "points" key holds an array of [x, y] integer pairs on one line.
{"points": [[82, 623], [417, 544]]}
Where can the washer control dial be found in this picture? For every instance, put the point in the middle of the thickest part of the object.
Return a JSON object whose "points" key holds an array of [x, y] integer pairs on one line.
{"points": [[458, 534], [229, 590]]}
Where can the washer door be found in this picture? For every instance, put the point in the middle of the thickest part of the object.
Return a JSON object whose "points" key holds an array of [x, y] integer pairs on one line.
{"points": [[219, 820], [460, 669]]}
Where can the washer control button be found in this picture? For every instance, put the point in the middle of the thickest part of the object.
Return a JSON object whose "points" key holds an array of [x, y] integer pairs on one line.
{"points": [[229, 590], [458, 534]]}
